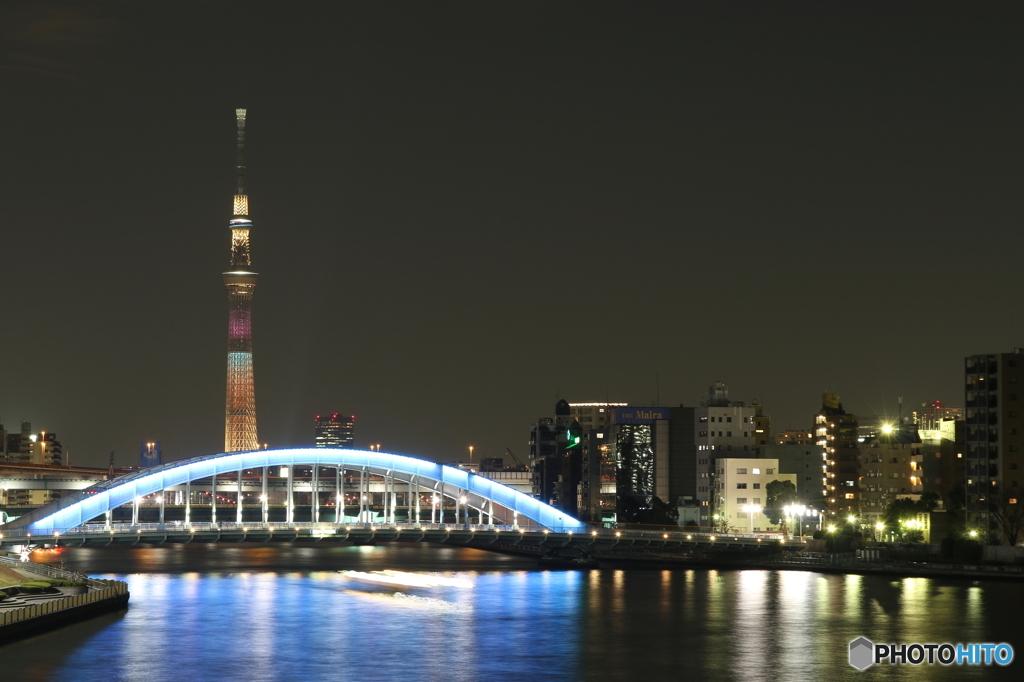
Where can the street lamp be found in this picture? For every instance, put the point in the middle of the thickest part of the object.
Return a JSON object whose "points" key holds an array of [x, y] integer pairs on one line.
{"points": [[470, 454], [751, 509]]}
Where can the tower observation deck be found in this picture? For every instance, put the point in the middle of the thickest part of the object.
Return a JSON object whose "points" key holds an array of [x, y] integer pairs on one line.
{"points": [[240, 281]]}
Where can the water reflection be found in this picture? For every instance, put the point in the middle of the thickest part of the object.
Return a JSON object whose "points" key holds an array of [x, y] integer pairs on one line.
{"points": [[280, 614]]}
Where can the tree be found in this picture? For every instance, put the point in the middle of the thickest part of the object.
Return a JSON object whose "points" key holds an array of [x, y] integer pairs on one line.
{"points": [[899, 516], [1008, 511], [634, 509], [779, 495]]}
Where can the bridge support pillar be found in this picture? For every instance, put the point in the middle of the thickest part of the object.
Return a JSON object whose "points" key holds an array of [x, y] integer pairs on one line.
{"points": [[314, 508], [290, 504], [213, 498], [339, 497], [163, 494], [394, 497], [107, 516], [188, 503], [263, 498], [238, 500], [362, 495], [417, 493]]}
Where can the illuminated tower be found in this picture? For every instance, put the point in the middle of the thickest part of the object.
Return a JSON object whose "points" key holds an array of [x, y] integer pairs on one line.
{"points": [[240, 281]]}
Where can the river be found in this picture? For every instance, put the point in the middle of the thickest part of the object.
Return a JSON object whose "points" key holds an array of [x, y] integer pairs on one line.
{"points": [[225, 613]]}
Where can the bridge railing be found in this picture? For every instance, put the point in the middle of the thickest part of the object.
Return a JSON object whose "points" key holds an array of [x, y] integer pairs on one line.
{"points": [[124, 529], [52, 572]]}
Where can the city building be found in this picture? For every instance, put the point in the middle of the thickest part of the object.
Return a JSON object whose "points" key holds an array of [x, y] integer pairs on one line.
{"points": [[802, 460], [31, 448], [556, 459], [794, 437], [891, 468], [722, 428], [994, 440], [741, 492], [240, 281], [934, 412], [571, 465], [640, 446], [335, 431], [516, 476], [942, 465], [836, 432], [596, 494]]}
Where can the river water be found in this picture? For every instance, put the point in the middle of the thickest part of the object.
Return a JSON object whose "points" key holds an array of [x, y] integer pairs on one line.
{"points": [[224, 613]]}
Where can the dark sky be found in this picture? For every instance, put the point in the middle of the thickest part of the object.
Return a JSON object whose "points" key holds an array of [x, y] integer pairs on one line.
{"points": [[463, 210]]}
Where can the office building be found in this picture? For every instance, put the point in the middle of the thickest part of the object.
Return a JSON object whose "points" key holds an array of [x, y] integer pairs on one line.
{"points": [[743, 482], [334, 431]]}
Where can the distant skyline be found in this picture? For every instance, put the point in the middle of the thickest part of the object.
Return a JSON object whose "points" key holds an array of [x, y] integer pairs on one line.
{"points": [[463, 211]]}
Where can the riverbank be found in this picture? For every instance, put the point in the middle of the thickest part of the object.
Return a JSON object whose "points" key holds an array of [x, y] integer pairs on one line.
{"points": [[857, 567], [23, 615]]}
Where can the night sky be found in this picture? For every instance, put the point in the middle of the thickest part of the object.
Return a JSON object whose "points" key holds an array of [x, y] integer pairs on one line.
{"points": [[463, 211]]}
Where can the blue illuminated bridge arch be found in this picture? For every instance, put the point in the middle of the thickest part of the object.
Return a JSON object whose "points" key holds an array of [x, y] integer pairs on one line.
{"points": [[83, 506]]}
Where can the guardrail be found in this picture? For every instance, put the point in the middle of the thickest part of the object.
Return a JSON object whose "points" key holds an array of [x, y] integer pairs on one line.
{"points": [[51, 572]]}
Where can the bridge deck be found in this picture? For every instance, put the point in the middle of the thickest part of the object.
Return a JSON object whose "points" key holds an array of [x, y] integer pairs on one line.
{"points": [[481, 536]]}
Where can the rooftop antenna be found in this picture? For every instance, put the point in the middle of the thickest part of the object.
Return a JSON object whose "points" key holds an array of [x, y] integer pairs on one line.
{"points": [[110, 471]]}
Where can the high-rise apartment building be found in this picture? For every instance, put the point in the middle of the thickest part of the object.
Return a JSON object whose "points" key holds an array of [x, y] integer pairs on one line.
{"points": [[334, 431], [994, 440], [891, 468], [836, 433], [240, 281]]}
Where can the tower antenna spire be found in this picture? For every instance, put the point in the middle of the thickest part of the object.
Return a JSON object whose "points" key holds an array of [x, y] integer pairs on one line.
{"points": [[241, 200], [240, 119]]}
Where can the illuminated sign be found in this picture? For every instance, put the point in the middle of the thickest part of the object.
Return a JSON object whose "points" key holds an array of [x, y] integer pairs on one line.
{"points": [[639, 415]]}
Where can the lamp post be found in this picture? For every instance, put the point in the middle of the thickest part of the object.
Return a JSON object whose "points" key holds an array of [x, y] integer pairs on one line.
{"points": [[751, 509], [798, 511]]}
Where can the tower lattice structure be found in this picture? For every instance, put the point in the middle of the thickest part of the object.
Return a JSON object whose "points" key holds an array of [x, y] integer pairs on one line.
{"points": [[240, 281]]}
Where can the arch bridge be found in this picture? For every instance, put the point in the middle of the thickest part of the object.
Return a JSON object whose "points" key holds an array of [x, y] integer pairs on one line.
{"points": [[504, 518]]}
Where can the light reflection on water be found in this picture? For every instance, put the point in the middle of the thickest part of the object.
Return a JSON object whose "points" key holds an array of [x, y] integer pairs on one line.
{"points": [[269, 613]]}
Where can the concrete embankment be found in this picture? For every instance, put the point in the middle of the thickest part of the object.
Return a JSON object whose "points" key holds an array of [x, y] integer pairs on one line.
{"points": [[76, 598], [39, 617], [895, 569]]}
